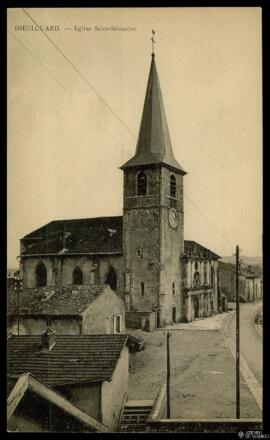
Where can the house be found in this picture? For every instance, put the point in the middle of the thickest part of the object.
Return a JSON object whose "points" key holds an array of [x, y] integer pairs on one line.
{"points": [[90, 371], [200, 281], [32, 406], [11, 275], [250, 285], [75, 310]]}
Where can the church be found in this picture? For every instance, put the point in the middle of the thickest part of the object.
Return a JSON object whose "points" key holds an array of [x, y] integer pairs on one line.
{"points": [[142, 254]]}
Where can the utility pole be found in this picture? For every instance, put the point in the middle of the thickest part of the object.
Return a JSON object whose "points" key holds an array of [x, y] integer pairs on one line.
{"points": [[168, 376], [18, 286], [237, 337]]}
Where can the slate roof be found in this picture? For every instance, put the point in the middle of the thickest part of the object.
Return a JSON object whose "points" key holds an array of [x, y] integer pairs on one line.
{"points": [[154, 144], [245, 273], [193, 250], [68, 300], [73, 359], [94, 236], [227, 266], [102, 235]]}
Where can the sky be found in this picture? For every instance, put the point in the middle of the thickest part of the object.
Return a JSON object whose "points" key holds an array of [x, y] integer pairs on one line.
{"points": [[71, 128]]}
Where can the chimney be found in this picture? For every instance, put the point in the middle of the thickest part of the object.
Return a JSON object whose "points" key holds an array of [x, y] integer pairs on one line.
{"points": [[48, 340]]}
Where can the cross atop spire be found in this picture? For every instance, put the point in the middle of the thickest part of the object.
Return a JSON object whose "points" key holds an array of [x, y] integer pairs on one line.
{"points": [[153, 43]]}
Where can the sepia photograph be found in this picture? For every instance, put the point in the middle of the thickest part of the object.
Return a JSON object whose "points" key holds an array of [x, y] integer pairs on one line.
{"points": [[134, 220]]}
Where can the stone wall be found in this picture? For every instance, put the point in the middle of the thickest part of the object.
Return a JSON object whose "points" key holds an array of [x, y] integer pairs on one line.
{"points": [[85, 396], [98, 318], [113, 392], [146, 227], [66, 325], [60, 270], [141, 320], [204, 426], [141, 231]]}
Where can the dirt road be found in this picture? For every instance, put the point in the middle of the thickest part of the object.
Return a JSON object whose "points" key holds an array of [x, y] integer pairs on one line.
{"points": [[251, 345], [202, 374]]}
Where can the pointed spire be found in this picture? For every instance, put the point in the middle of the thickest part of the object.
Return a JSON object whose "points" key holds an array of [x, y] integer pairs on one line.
{"points": [[154, 144]]}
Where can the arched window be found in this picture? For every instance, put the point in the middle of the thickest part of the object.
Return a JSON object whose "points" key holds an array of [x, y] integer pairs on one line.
{"points": [[139, 252], [172, 186], [41, 275], [117, 327], [141, 184], [142, 289], [111, 278], [212, 277], [77, 276], [173, 288], [205, 273], [196, 279]]}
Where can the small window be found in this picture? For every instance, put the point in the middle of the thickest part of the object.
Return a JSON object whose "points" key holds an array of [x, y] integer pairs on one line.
{"points": [[139, 252], [172, 186], [117, 324], [173, 288], [196, 279], [142, 289], [141, 184]]}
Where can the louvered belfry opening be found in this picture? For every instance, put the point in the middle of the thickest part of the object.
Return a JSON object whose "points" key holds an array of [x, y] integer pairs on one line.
{"points": [[141, 184]]}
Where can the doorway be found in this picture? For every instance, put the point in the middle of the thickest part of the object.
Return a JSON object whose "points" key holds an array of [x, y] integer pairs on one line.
{"points": [[158, 318], [196, 306]]}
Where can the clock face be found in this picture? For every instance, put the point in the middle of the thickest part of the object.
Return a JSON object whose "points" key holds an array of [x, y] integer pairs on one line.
{"points": [[173, 218]]}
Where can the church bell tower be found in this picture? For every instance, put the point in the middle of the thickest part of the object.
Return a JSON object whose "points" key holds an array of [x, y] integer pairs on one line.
{"points": [[153, 217]]}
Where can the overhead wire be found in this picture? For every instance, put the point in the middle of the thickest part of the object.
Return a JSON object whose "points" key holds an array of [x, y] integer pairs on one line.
{"points": [[39, 62], [102, 99], [80, 74]]}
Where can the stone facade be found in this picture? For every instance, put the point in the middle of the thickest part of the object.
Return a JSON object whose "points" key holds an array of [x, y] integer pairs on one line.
{"points": [[250, 284], [102, 400], [200, 284], [103, 315], [152, 248], [60, 269]]}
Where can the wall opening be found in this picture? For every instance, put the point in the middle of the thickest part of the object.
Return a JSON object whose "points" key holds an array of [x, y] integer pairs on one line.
{"points": [[196, 279], [212, 277], [41, 275], [117, 324], [173, 314], [196, 306], [77, 276], [141, 184], [111, 278], [172, 186]]}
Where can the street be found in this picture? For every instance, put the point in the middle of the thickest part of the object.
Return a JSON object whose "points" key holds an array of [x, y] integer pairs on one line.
{"points": [[202, 370], [251, 345]]}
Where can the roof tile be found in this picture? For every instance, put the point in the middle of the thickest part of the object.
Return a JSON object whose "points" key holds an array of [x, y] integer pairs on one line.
{"points": [[73, 359]]}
